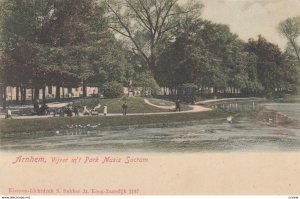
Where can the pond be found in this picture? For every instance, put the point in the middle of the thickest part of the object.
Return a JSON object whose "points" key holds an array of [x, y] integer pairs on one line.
{"points": [[245, 133]]}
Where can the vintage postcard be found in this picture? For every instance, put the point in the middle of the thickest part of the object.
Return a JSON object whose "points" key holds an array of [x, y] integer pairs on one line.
{"points": [[149, 97]]}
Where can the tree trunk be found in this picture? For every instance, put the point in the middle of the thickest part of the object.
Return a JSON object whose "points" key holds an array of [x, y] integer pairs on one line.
{"points": [[23, 95], [63, 92], [36, 94], [296, 50], [4, 97], [32, 95], [1, 94], [17, 93], [69, 92], [50, 90], [44, 94], [84, 90], [57, 92]]}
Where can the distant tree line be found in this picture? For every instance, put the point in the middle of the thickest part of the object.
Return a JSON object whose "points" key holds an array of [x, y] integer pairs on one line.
{"points": [[67, 43]]}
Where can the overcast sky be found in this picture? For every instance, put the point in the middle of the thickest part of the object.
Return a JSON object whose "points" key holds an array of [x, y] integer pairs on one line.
{"points": [[249, 18]]}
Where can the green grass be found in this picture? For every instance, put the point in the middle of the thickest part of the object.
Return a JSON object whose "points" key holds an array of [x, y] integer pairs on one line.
{"points": [[289, 99], [160, 102], [135, 105], [115, 122]]}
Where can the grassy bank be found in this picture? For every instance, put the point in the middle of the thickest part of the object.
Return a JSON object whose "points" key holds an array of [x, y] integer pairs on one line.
{"points": [[289, 99], [135, 104], [54, 124]]}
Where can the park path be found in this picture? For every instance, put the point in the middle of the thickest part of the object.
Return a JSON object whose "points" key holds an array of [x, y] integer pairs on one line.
{"points": [[194, 109], [198, 107]]}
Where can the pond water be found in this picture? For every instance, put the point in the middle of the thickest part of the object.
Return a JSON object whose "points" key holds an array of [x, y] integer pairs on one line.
{"points": [[215, 135]]}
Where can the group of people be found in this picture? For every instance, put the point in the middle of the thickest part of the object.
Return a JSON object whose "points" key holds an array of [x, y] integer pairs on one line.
{"points": [[105, 110]]}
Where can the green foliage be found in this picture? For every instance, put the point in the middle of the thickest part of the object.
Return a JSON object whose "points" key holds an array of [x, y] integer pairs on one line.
{"points": [[146, 80], [198, 56], [290, 29], [147, 25], [272, 68], [58, 43], [112, 89]]}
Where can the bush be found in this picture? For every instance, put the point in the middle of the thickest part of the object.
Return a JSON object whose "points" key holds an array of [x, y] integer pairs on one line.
{"points": [[113, 90]]}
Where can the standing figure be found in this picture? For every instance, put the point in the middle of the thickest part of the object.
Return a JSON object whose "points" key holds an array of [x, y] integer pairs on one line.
{"points": [[8, 114], [124, 108], [75, 109], [178, 105], [105, 110]]}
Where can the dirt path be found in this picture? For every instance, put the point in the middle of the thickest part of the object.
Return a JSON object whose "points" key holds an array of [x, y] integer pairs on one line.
{"points": [[195, 108]]}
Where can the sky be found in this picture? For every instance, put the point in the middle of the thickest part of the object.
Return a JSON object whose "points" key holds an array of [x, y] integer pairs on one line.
{"points": [[249, 18]]}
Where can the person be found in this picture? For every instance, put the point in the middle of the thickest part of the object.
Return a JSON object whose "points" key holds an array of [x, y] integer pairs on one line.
{"points": [[178, 105], [85, 111], [43, 110], [68, 111], [75, 109], [8, 114], [105, 110], [124, 107]]}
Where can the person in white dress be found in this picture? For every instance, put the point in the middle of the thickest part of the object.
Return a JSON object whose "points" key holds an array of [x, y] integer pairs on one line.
{"points": [[85, 111], [105, 110], [8, 114]]}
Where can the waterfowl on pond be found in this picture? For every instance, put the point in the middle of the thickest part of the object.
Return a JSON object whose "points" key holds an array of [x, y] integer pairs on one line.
{"points": [[229, 119]]}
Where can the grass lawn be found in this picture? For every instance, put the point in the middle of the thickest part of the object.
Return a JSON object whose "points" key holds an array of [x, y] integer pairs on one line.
{"points": [[160, 102], [115, 122], [135, 104], [289, 99]]}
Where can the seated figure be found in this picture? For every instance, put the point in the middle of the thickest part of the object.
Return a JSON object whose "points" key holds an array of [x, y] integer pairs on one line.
{"points": [[85, 111]]}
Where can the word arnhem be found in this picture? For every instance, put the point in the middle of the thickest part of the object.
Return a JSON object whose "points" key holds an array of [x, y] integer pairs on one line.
{"points": [[21, 159]]}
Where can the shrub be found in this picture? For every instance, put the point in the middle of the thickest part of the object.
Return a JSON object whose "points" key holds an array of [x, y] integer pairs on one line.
{"points": [[113, 90]]}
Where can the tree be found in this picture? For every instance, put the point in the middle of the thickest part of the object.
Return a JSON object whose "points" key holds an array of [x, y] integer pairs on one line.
{"points": [[272, 69], [146, 81], [80, 42], [290, 29], [146, 24], [205, 54], [21, 23]]}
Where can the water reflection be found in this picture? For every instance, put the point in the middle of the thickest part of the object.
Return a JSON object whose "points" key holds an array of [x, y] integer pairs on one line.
{"points": [[238, 106]]}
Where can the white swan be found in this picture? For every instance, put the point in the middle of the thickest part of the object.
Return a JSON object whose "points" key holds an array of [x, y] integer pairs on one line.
{"points": [[229, 119]]}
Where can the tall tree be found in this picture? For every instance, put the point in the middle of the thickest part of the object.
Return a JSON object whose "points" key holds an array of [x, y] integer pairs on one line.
{"points": [[21, 23], [146, 24], [271, 66], [290, 29]]}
